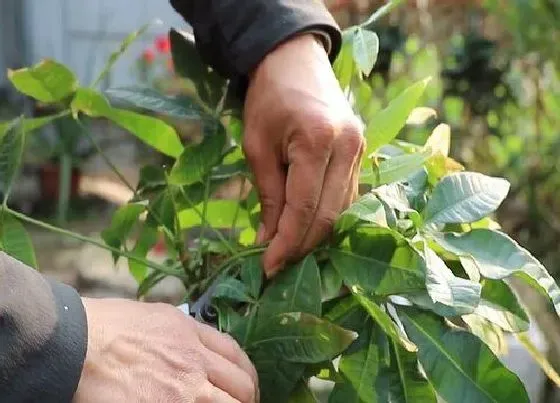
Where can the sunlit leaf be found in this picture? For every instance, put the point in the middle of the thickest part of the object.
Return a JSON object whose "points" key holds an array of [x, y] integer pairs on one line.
{"points": [[465, 197], [490, 333], [220, 214], [460, 377], [420, 115], [146, 240], [399, 168], [47, 81], [365, 48], [368, 208], [122, 223]]}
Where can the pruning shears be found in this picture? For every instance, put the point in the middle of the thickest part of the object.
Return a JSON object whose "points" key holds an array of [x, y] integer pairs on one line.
{"points": [[203, 310]]}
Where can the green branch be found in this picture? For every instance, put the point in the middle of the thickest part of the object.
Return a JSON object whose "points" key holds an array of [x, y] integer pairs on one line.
{"points": [[163, 269]]}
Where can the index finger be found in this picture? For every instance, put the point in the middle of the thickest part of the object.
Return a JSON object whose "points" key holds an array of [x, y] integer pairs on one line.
{"points": [[304, 184]]}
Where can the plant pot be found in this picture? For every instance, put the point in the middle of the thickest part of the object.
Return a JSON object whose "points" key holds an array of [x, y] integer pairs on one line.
{"points": [[50, 178]]}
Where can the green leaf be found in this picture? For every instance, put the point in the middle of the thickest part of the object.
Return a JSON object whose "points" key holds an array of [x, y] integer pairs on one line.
{"points": [[147, 239], [301, 338], [198, 160], [365, 48], [252, 274], [500, 306], [277, 378], [233, 290], [459, 366], [302, 394], [348, 313], [151, 131], [443, 287], [403, 380], [295, 289], [220, 214], [121, 224], [385, 322], [123, 47], [497, 257], [359, 369], [151, 100], [368, 208], [30, 124], [465, 197], [15, 240], [387, 123], [47, 81], [344, 65], [380, 261], [11, 153], [400, 168]]}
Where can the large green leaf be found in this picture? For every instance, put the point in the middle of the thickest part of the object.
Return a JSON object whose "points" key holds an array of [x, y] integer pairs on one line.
{"points": [[465, 197], [252, 274], [365, 48], [500, 306], [301, 338], [385, 322], [123, 47], [399, 168], [359, 369], [387, 123], [152, 100], [443, 287], [459, 366], [497, 257], [15, 240], [368, 208], [375, 275], [233, 290], [11, 153], [395, 197], [151, 131], [331, 282], [295, 289], [198, 160], [402, 380], [380, 261], [121, 224], [47, 81], [491, 334], [219, 214]]}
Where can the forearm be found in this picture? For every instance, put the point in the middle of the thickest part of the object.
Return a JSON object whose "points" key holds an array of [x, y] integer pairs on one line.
{"points": [[43, 336], [233, 36]]}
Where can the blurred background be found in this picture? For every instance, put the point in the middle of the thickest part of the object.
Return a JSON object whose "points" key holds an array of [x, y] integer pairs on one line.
{"points": [[494, 67]]}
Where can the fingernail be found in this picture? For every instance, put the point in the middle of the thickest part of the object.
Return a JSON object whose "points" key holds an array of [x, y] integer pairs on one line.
{"points": [[261, 234]]}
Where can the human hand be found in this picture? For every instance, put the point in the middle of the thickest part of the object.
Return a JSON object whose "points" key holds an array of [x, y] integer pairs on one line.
{"points": [[304, 144], [140, 352]]}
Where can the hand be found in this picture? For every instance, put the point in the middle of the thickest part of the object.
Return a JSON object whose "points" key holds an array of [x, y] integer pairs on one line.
{"points": [[141, 352], [304, 144]]}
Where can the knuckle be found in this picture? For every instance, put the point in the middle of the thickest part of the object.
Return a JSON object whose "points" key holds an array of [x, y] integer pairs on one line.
{"points": [[319, 133], [304, 209]]}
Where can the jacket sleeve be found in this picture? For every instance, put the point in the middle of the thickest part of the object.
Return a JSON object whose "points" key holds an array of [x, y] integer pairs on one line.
{"points": [[233, 36], [43, 336]]}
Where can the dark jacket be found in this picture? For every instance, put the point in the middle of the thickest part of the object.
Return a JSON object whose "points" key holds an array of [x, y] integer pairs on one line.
{"points": [[43, 330]]}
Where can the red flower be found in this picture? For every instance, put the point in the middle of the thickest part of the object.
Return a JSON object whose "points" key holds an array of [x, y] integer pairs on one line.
{"points": [[162, 44], [148, 56]]}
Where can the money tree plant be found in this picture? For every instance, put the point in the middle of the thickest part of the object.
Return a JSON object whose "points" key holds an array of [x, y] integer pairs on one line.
{"points": [[409, 299]]}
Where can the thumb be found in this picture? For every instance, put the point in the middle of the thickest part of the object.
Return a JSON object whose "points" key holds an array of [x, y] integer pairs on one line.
{"points": [[270, 181]]}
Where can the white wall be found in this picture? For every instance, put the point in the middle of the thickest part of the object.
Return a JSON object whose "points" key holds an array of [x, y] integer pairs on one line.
{"points": [[82, 33]]}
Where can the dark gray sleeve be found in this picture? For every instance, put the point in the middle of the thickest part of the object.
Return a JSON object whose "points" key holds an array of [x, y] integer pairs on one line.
{"points": [[233, 36], [43, 336]]}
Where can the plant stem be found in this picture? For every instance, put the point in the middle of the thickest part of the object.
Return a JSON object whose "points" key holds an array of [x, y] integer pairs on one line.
{"points": [[163, 269], [64, 187], [239, 255], [237, 208]]}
